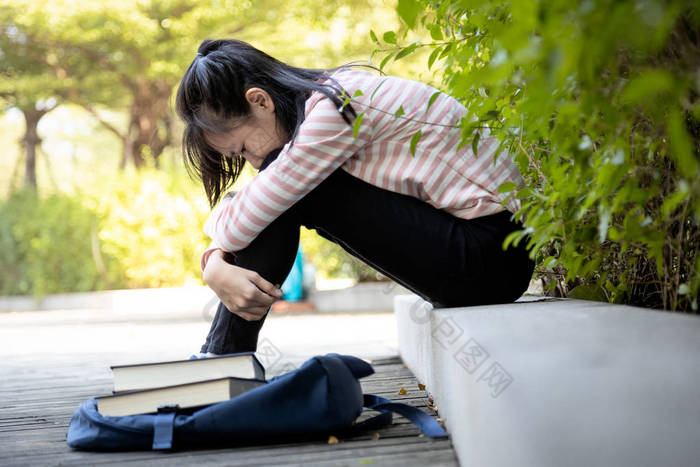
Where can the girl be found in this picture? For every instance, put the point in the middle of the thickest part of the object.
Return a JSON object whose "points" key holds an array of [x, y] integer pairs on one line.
{"points": [[427, 214]]}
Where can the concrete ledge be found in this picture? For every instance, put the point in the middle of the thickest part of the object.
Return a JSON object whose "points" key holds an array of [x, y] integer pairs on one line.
{"points": [[559, 382], [365, 296]]}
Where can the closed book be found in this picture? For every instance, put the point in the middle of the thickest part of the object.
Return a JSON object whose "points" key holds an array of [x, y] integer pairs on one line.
{"points": [[173, 373], [184, 395]]}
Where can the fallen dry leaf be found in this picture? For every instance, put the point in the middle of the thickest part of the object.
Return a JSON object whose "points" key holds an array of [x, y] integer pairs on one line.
{"points": [[399, 383], [421, 386], [375, 437], [430, 399], [402, 391], [332, 440]]}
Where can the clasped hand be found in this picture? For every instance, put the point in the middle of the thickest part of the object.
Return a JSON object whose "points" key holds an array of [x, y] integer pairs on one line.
{"points": [[242, 291]]}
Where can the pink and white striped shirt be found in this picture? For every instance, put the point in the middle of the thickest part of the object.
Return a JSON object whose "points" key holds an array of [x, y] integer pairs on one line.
{"points": [[440, 173]]}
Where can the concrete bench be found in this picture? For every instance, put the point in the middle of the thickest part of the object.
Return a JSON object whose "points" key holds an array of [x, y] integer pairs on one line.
{"points": [[559, 382]]}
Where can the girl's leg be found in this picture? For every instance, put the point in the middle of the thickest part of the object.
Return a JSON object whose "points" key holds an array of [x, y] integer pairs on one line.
{"points": [[271, 254], [446, 260]]}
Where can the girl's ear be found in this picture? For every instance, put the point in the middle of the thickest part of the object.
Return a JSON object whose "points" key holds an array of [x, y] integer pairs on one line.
{"points": [[260, 100]]}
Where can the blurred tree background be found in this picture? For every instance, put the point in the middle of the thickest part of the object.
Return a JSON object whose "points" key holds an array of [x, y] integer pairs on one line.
{"points": [[94, 194]]}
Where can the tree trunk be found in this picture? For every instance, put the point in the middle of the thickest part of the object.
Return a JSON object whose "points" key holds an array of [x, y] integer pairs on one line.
{"points": [[149, 124], [149, 129], [30, 141]]}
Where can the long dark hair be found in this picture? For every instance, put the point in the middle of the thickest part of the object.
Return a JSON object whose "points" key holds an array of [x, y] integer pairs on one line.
{"points": [[212, 93]]}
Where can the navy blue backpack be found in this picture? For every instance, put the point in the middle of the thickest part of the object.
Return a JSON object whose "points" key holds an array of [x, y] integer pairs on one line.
{"points": [[320, 398]]}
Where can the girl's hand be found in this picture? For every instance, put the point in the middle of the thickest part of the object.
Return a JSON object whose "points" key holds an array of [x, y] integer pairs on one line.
{"points": [[242, 291]]}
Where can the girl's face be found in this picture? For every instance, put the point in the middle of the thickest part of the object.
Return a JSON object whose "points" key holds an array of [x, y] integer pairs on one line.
{"points": [[253, 137]]}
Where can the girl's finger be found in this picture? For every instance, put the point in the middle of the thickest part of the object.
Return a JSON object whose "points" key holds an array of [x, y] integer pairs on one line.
{"points": [[260, 299], [265, 286]]}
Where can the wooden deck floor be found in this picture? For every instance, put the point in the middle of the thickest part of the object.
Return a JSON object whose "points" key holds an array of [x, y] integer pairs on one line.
{"points": [[36, 404]]}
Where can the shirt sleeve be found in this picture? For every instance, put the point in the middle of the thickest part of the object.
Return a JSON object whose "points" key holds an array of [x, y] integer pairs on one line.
{"points": [[323, 143], [213, 246]]}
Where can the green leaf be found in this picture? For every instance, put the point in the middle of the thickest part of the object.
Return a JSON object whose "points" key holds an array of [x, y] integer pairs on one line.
{"points": [[446, 49], [373, 36], [405, 51], [672, 201], [414, 141], [513, 238], [358, 93], [400, 111], [681, 145], [408, 11], [432, 99], [683, 289], [385, 61], [371, 56], [435, 32], [346, 101], [646, 85], [357, 123], [475, 143], [588, 292], [491, 115], [433, 56], [390, 37], [506, 187], [524, 193]]}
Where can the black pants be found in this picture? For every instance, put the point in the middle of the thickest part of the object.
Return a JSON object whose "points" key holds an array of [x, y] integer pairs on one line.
{"points": [[446, 260]]}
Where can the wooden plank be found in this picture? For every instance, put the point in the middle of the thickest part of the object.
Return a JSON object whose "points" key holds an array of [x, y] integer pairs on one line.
{"points": [[43, 453], [295, 453]]}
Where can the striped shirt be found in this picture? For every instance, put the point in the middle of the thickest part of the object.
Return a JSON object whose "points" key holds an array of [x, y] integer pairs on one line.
{"points": [[438, 171]]}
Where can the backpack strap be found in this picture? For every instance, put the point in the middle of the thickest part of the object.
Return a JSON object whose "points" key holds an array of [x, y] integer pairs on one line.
{"points": [[163, 427], [425, 423]]}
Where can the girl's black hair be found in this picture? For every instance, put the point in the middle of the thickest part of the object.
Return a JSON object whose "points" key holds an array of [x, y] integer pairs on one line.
{"points": [[212, 92]]}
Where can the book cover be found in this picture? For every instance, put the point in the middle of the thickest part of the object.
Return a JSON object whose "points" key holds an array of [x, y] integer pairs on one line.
{"points": [[189, 395], [172, 373]]}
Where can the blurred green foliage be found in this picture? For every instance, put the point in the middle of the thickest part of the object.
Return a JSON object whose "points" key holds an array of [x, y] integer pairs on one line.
{"points": [[146, 233], [50, 245], [151, 224], [597, 101]]}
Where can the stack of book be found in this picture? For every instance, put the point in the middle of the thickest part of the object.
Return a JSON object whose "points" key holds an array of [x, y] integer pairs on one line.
{"points": [[142, 388]]}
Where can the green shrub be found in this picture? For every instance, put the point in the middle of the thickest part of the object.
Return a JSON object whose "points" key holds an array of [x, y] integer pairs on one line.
{"points": [[130, 229], [49, 245], [151, 220], [597, 101]]}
